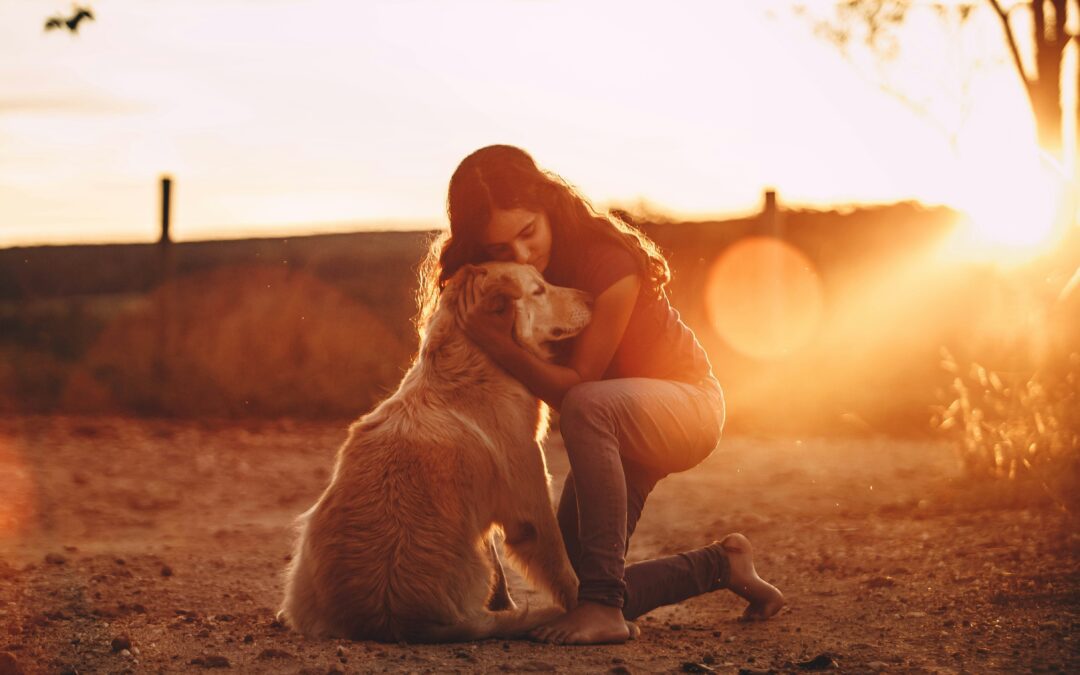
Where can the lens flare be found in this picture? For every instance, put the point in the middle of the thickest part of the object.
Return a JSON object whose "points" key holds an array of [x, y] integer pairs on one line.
{"points": [[764, 298], [16, 488]]}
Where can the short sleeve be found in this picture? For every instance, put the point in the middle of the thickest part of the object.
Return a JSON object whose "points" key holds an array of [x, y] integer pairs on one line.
{"points": [[606, 264]]}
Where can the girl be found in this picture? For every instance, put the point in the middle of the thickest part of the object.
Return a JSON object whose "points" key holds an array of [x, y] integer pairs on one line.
{"points": [[636, 396]]}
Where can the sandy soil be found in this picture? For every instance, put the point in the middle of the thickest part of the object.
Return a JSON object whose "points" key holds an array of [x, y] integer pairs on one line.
{"points": [[146, 546]]}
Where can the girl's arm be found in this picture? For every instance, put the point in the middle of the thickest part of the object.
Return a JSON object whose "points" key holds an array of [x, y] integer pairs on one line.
{"points": [[593, 350]]}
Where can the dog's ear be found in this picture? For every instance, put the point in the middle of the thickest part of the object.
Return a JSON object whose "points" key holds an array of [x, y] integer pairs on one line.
{"points": [[466, 272], [499, 292]]}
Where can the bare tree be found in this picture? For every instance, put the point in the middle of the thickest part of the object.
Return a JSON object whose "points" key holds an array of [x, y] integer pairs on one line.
{"points": [[877, 22]]}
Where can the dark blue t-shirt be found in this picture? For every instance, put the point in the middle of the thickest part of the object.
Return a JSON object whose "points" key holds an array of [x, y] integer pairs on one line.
{"points": [[656, 343]]}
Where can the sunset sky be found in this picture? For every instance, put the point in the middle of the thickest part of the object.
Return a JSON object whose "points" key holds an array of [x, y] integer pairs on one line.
{"points": [[291, 117]]}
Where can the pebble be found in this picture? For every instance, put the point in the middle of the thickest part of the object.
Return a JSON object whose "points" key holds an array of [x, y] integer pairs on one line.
{"points": [[166, 571], [881, 582], [55, 559], [120, 643], [213, 661], [877, 665], [126, 653], [273, 654]]}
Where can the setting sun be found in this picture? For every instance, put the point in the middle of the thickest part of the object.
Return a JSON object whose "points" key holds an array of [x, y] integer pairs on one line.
{"points": [[1010, 214]]}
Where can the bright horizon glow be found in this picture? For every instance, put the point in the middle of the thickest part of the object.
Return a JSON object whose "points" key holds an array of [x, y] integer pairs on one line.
{"points": [[288, 118], [1009, 223]]}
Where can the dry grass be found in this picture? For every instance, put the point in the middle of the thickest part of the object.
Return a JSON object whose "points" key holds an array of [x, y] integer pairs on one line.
{"points": [[240, 341], [1018, 427]]}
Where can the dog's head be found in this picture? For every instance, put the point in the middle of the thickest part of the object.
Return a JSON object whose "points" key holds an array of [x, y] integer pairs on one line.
{"points": [[544, 313]]}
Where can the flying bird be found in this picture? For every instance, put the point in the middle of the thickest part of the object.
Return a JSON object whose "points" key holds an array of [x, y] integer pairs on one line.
{"points": [[71, 22]]}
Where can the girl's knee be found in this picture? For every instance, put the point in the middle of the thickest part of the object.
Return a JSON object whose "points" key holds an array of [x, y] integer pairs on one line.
{"points": [[583, 405]]}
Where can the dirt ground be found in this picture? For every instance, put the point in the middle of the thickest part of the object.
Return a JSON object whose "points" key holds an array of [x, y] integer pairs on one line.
{"points": [[158, 546]]}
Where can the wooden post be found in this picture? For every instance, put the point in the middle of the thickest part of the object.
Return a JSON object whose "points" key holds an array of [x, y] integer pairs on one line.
{"points": [[770, 215], [772, 226], [166, 189], [166, 295]]}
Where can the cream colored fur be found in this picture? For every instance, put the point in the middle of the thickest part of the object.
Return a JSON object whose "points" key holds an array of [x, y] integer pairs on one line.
{"points": [[399, 546]]}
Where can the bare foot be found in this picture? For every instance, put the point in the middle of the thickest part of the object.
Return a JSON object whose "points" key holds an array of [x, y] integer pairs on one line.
{"points": [[590, 623], [764, 598]]}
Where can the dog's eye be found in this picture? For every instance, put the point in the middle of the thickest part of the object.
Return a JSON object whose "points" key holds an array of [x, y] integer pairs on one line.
{"points": [[540, 290]]}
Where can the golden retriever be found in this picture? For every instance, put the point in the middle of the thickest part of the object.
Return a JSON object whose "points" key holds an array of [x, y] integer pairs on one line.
{"points": [[399, 546]]}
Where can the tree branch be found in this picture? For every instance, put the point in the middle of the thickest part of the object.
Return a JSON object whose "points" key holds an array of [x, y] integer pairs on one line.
{"points": [[1013, 49]]}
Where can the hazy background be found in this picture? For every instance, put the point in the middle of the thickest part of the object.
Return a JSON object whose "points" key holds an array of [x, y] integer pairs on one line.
{"points": [[288, 117], [835, 215]]}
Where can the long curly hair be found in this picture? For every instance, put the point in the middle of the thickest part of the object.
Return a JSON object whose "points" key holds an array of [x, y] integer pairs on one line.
{"points": [[505, 177]]}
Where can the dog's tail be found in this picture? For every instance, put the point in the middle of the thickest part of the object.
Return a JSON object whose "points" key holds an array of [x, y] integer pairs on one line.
{"points": [[506, 624]]}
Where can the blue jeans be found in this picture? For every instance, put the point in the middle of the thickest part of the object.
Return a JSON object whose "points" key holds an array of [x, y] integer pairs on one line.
{"points": [[622, 436]]}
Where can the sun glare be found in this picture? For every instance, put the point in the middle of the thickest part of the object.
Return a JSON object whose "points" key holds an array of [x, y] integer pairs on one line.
{"points": [[1012, 212]]}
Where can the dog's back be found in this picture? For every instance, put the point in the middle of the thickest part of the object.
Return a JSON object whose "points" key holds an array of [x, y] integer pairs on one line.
{"points": [[398, 518]]}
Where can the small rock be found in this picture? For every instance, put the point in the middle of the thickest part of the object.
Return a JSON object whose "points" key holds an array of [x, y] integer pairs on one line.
{"points": [[619, 670], [248, 639], [166, 571], [274, 654], [820, 662], [126, 653], [675, 626], [121, 643], [691, 667], [55, 559], [881, 582], [213, 661], [877, 665], [341, 650], [135, 651]]}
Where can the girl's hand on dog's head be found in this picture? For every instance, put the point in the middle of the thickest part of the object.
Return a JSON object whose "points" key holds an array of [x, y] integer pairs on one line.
{"points": [[488, 321]]}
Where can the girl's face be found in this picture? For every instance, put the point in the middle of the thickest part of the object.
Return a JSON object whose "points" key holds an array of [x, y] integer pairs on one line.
{"points": [[518, 235]]}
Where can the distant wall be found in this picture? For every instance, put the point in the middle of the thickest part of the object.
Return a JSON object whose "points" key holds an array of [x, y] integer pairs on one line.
{"points": [[320, 325]]}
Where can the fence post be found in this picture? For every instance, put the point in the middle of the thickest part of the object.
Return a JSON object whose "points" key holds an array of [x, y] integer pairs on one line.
{"points": [[166, 295]]}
